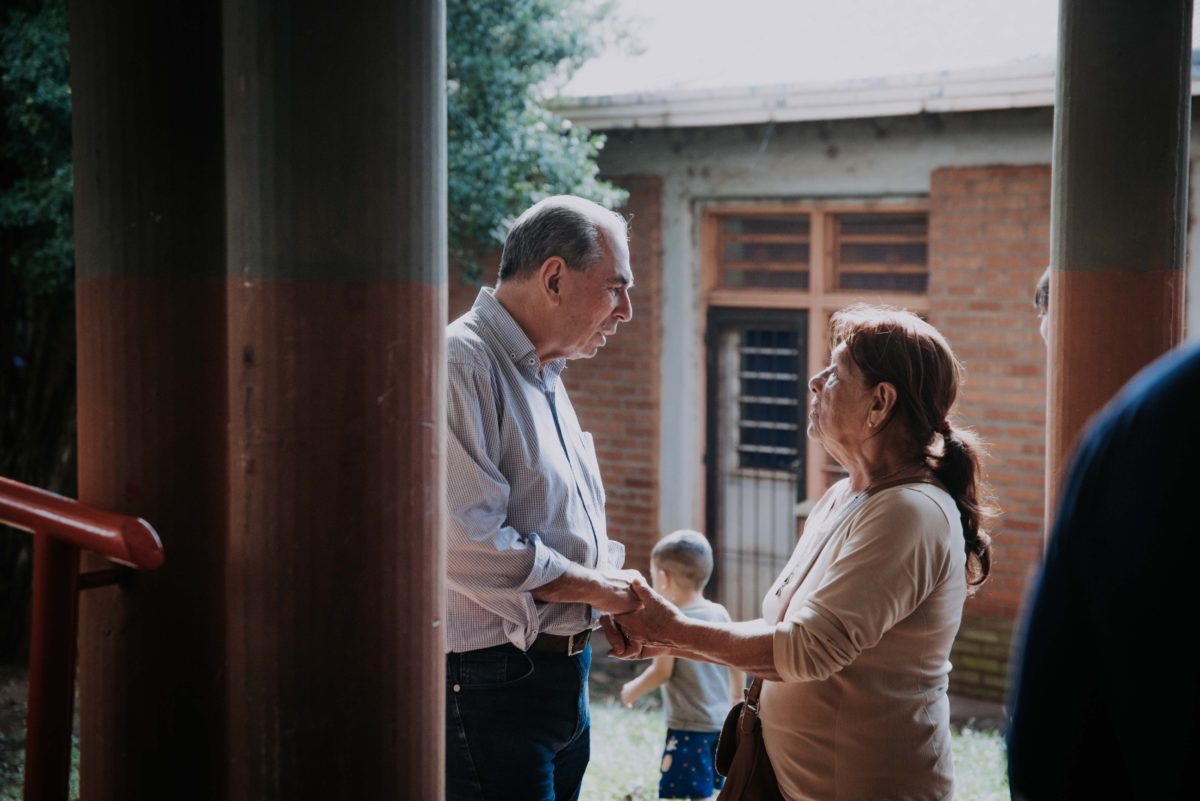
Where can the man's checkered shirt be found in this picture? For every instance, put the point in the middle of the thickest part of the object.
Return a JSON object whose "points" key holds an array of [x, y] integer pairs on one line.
{"points": [[524, 488]]}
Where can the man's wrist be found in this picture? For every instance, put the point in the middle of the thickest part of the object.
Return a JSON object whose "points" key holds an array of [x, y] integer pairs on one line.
{"points": [[578, 585], [608, 593]]}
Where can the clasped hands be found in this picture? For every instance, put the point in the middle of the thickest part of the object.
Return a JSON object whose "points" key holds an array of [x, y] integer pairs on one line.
{"points": [[643, 629]]}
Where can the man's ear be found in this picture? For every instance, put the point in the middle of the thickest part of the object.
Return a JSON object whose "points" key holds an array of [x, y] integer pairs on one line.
{"points": [[550, 278]]}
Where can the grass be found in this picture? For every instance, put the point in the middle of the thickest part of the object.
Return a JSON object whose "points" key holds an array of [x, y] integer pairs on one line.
{"points": [[626, 748], [980, 767], [627, 744], [12, 753], [12, 768], [12, 737]]}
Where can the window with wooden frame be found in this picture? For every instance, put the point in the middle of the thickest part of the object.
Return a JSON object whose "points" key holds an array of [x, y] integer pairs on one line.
{"points": [[875, 252], [818, 257], [764, 251]]}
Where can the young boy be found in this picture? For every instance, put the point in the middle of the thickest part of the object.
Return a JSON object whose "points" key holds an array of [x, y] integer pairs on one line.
{"points": [[696, 695]]}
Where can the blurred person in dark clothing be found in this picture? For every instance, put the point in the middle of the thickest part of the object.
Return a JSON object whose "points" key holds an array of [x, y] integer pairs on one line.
{"points": [[1105, 703]]}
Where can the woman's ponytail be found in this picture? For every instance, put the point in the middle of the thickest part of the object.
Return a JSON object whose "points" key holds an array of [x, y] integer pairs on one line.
{"points": [[957, 466]]}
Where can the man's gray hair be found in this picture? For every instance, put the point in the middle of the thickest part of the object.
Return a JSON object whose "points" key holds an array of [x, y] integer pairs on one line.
{"points": [[1041, 294], [569, 227]]}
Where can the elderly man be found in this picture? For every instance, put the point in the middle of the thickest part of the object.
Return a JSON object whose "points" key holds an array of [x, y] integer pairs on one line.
{"points": [[1041, 302], [529, 562]]}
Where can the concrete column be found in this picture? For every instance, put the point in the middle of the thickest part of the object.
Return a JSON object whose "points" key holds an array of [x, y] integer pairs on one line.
{"points": [[1119, 204], [335, 171], [149, 243]]}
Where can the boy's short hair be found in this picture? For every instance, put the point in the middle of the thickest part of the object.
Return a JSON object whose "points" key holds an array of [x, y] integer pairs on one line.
{"points": [[684, 554]]}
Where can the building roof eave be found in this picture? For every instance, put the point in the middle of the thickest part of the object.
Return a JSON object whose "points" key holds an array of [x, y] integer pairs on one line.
{"points": [[1026, 85]]}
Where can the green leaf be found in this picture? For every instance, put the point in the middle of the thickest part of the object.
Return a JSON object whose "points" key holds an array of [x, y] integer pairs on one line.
{"points": [[36, 239], [506, 150]]}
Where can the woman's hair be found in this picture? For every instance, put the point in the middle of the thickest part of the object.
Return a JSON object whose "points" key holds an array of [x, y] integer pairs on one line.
{"points": [[897, 347]]}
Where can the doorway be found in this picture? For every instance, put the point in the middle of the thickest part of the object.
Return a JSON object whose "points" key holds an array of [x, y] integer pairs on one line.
{"points": [[755, 448]]}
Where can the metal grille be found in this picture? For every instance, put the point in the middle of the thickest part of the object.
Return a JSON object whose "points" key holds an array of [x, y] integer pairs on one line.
{"points": [[768, 420], [757, 361]]}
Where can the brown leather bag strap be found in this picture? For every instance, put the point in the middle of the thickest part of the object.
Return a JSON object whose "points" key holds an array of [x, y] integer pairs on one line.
{"points": [[752, 694]]}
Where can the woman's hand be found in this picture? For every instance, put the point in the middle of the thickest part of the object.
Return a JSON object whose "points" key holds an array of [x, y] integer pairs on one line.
{"points": [[622, 647], [618, 643], [655, 622]]}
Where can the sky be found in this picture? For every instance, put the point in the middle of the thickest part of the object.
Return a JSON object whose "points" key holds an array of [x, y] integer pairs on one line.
{"points": [[699, 44]]}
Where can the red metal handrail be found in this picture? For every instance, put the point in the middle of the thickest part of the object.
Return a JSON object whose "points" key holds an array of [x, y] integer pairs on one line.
{"points": [[61, 528], [127, 540]]}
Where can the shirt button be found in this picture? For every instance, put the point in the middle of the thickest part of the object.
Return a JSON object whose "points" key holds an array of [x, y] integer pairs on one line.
{"points": [[532, 360], [457, 688], [512, 355]]}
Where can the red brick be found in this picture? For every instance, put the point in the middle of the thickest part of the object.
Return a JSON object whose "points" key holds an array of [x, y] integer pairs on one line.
{"points": [[617, 395], [989, 242]]}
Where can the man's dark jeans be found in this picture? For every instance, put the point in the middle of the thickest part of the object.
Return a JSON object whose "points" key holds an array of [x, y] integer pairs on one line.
{"points": [[517, 725]]}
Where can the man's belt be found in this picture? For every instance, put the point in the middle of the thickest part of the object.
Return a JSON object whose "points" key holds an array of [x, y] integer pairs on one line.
{"points": [[565, 644]]}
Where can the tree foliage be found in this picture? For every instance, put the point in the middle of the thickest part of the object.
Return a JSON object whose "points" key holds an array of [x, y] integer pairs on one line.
{"points": [[37, 317], [506, 150], [35, 152]]}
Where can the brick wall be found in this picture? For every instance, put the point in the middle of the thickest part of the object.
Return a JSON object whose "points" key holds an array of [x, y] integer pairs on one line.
{"points": [[617, 393], [989, 239], [462, 292]]}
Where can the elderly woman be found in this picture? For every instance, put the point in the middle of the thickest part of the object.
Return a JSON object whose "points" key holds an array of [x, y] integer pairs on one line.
{"points": [[854, 641]]}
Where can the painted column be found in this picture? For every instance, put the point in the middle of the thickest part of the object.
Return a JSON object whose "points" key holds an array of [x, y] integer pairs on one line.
{"points": [[1119, 205], [336, 220], [150, 296]]}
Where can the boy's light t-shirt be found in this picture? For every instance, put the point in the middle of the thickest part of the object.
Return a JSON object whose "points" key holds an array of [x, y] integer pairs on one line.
{"points": [[697, 696]]}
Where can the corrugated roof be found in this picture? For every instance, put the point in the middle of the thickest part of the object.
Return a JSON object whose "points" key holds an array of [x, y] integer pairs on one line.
{"points": [[1024, 85]]}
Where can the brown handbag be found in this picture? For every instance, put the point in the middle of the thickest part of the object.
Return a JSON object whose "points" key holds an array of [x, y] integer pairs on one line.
{"points": [[741, 756]]}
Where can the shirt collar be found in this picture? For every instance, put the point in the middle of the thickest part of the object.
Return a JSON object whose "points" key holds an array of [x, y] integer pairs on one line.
{"points": [[513, 339]]}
